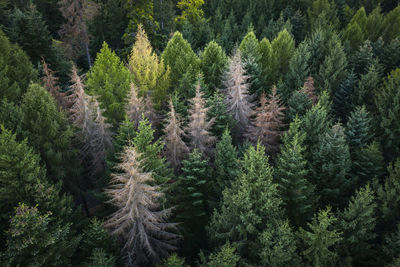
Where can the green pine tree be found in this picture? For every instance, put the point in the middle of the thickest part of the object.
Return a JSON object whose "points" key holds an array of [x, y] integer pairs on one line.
{"points": [[225, 257], [222, 119], [342, 97], [283, 47]]}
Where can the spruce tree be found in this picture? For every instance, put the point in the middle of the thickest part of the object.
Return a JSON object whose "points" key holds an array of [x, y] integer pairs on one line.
{"points": [[213, 62], [135, 106], [199, 126], [309, 88], [238, 100], [222, 119], [364, 92], [266, 63], [268, 124], [319, 239], [110, 80], [175, 147], [50, 82], [178, 55], [391, 24], [11, 116], [283, 48], [149, 74], [342, 97], [298, 105], [139, 221], [358, 129], [225, 257], [292, 176]]}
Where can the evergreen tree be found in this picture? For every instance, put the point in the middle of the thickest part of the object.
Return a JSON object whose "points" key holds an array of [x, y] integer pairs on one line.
{"points": [[222, 119], [268, 124], [150, 152], [50, 82], [178, 55], [110, 80], [342, 97], [135, 106], [16, 71], [358, 130], [391, 24], [291, 174], [298, 105], [388, 108], [198, 126], [11, 116], [213, 62], [357, 223], [251, 206], [225, 257], [149, 74], [309, 88], [266, 62], [330, 167], [238, 100], [319, 239], [226, 163], [191, 11], [175, 147], [365, 90], [139, 222], [355, 31], [322, 13], [282, 51]]}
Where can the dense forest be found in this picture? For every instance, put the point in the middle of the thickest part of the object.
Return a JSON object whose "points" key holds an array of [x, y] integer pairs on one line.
{"points": [[209, 133]]}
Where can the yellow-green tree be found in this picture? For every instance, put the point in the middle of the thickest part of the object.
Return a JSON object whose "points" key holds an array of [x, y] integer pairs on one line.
{"points": [[191, 11], [150, 74]]}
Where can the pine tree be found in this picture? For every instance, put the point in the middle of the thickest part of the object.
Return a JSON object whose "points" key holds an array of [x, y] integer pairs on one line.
{"points": [[139, 222], [330, 167], [198, 126], [16, 71], [238, 100], [283, 48], [178, 55], [298, 105], [322, 13], [149, 74], [213, 62], [364, 92], [191, 11], [11, 117], [175, 148], [356, 29], [309, 88], [251, 206], [292, 176], [388, 108], [358, 129], [320, 238], [134, 107], [268, 124], [342, 97], [226, 163], [357, 223], [266, 63], [225, 257], [110, 80], [222, 119], [391, 25], [50, 82]]}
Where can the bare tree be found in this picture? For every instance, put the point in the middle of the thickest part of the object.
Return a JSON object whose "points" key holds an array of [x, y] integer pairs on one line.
{"points": [[175, 148], [135, 106], [139, 221], [86, 115], [309, 89], [50, 82], [268, 123], [198, 127], [238, 100]]}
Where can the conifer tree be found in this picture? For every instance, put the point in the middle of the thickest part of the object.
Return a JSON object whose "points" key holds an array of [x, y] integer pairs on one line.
{"points": [[320, 238], [342, 97], [110, 80], [151, 150], [298, 105], [356, 29], [238, 100], [268, 124], [199, 126], [226, 162], [16, 70], [139, 222], [357, 223], [322, 13], [388, 108], [135, 106], [11, 117], [251, 206], [149, 74], [358, 129], [50, 82], [178, 55], [365, 90], [391, 24], [330, 167], [266, 62], [222, 119], [213, 62], [309, 88], [282, 51], [175, 148], [292, 176], [225, 257]]}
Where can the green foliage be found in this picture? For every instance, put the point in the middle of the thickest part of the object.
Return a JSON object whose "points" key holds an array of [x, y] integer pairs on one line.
{"points": [[173, 261], [191, 11], [357, 223], [282, 51], [11, 116], [250, 48], [110, 80], [213, 62], [292, 176], [298, 104], [320, 238], [343, 96], [391, 24], [226, 163], [266, 62], [48, 132], [99, 258], [16, 71], [367, 86], [355, 31], [225, 257], [178, 55], [322, 13], [37, 239], [222, 119], [150, 151], [358, 129]]}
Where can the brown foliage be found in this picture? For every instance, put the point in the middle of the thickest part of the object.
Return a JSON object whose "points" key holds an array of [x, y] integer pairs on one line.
{"points": [[268, 123], [139, 221], [175, 148], [198, 127], [50, 82], [238, 100], [135, 106], [309, 89]]}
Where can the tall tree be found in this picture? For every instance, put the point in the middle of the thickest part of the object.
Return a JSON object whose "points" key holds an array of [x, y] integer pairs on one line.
{"points": [[110, 80], [139, 221], [238, 100], [343, 96], [150, 75], [292, 176], [218, 111], [135, 106], [199, 126], [50, 82], [191, 11], [283, 49], [268, 124], [175, 147]]}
